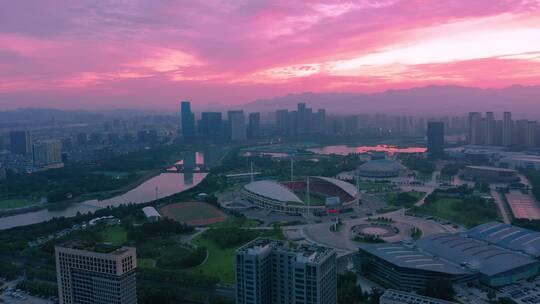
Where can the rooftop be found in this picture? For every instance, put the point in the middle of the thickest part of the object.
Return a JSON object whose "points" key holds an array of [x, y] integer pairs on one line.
{"points": [[508, 236], [496, 169], [382, 165], [304, 253], [272, 190], [95, 247], [408, 256], [411, 298], [474, 254]]}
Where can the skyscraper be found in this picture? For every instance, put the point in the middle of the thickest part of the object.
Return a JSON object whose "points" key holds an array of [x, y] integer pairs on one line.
{"points": [[211, 125], [475, 126], [435, 139], [254, 126], [531, 133], [304, 119], [95, 273], [237, 123], [188, 120], [281, 122], [269, 271], [490, 129], [21, 142], [47, 153], [507, 139]]}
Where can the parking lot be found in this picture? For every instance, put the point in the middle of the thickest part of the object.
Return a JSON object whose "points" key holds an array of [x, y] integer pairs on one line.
{"points": [[19, 297], [523, 292]]}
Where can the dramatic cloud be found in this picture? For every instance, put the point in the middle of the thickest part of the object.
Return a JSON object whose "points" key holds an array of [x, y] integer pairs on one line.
{"points": [[150, 54]]}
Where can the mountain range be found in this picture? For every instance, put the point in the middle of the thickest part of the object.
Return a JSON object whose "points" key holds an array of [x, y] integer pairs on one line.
{"points": [[523, 101]]}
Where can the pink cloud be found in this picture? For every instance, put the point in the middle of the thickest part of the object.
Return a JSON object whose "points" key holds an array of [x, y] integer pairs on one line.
{"points": [[128, 53]]}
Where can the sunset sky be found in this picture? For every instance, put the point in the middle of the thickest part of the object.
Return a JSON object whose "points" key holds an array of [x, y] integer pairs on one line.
{"points": [[150, 54]]}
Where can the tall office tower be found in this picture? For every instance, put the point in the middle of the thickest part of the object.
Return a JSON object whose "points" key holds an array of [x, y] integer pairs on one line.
{"points": [[229, 124], [435, 139], [490, 129], [237, 122], [82, 139], [475, 125], [350, 124], [270, 272], [520, 132], [532, 128], [321, 121], [498, 133], [507, 139], [304, 119], [21, 142], [254, 126], [188, 120], [95, 273], [47, 153], [281, 122], [211, 125]]}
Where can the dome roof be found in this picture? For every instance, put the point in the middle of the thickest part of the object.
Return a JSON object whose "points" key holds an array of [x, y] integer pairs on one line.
{"points": [[382, 165]]}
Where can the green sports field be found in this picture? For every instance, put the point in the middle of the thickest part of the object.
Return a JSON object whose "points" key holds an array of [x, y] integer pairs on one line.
{"points": [[194, 213]]}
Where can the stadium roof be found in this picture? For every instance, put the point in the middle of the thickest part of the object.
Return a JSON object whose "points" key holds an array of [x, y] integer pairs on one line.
{"points": [[382, 165], [488, 259], [272, 190], [407, 256], [508, 236], [345, 186]]}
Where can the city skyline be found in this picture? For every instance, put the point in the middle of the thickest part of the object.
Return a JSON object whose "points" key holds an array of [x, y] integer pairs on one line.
{"points": [[145, 54]]}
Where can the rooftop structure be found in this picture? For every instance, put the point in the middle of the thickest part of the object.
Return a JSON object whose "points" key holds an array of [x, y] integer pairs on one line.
{"points": [[379, 168], [496, 265], [509, 237], [298, 197], [489, 174], [151, 213]]}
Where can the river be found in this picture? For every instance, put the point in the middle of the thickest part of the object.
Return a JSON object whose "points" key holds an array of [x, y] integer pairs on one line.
{"points": [[165, 183], [345, 150]]}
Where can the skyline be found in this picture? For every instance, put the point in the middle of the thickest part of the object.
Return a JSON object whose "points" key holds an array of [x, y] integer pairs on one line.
{"points": [[142, 54]]}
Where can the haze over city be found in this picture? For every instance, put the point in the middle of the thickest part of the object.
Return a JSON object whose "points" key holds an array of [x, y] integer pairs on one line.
{"points": [[150, 54]]}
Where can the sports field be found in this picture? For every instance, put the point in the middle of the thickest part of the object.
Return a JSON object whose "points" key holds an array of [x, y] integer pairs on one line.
{"points": [[194, 213]]}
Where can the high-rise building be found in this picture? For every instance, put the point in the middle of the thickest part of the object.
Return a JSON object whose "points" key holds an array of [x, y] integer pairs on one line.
{"points": [[303, 119], [48, 153], [188, 120], [320, 121], [281, 121], [21, 142], [475, 127], [254, 126], [269, 271], [237, 122], [520, 131], [82, 139], [507, 139], [96, 273], [532, 128], [435, 139], [3, 173], [490, 129], [211, 125]]}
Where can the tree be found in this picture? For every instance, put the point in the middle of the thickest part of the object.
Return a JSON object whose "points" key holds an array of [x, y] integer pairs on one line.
{"points": [[348, 291], [440, 289], [491, 295]]}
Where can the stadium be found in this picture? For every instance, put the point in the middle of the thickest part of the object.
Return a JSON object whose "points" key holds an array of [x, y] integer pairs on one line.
{"points": [[314, 195], [382, 168]]}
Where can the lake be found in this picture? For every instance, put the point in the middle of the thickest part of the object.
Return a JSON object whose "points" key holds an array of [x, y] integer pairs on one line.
{"points": [[345, 150]]}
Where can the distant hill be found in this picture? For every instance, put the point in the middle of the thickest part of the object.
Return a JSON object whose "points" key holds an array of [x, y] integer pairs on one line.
{"points": [[523, 101]]}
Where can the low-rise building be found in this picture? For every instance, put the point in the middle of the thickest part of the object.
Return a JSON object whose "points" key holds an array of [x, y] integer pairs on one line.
{"points": [[151, 214], [486, 174]]}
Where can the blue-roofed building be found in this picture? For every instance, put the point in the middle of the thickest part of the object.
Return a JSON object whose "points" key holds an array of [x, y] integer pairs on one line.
{"points": [[405, 267], [508, 236], [495, 265]]}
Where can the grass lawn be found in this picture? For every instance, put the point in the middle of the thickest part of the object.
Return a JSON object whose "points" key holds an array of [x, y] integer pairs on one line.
{"points": [[456, 210], [412, 198], [240, 222], [220, 262], [146, 263], [15, 203], [115, 235]]}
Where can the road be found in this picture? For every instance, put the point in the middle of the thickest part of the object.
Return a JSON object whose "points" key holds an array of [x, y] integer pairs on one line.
{"points": [[501, 205]]}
